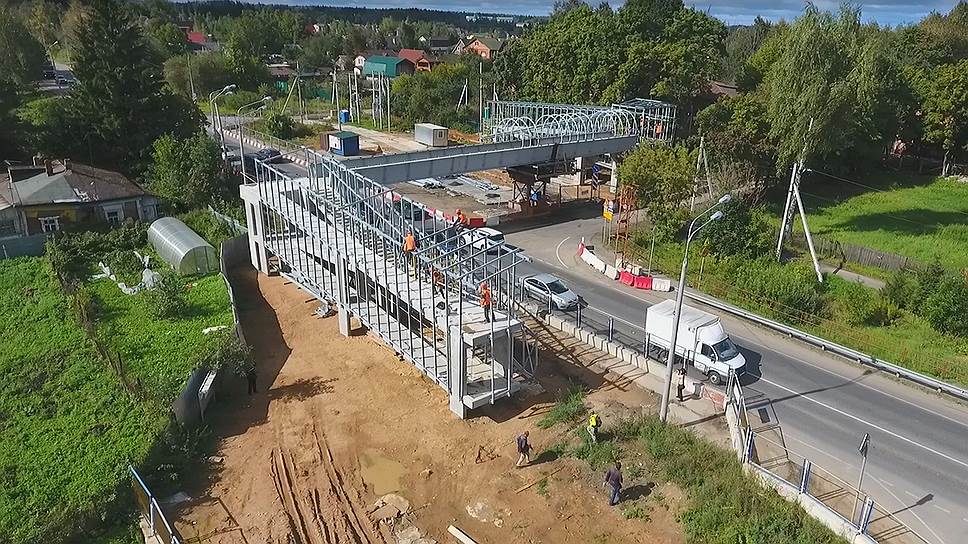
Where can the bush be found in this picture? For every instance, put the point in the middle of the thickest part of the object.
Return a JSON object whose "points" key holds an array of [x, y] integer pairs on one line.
{"points": [[901, 289], [167, 298], [791, 289], [566, 410], [947, 307], [72, 253], [742, 231], [230, 353], [214, 230]]}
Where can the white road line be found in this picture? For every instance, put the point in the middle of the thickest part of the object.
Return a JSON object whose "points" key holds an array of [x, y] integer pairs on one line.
{"points": [[910, 510], [856, 382], [557, 249], [945, 510], [868, 423], [908, 493]]}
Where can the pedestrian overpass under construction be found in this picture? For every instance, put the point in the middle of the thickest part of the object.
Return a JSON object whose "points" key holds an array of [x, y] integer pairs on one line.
{"points": [[338, 234]]}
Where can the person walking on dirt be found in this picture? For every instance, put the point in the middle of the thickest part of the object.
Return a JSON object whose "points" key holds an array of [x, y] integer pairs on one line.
{"points": [[524, 450], [613, 479], [486, 300], [681, 383], [250, 378], [594, 422], [437, 282]]}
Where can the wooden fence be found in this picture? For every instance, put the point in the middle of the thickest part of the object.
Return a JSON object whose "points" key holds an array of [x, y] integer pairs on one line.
{"points": [[862, 255]]}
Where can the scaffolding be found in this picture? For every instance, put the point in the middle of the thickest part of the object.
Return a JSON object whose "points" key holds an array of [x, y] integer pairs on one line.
{"points": [[338, 234]]}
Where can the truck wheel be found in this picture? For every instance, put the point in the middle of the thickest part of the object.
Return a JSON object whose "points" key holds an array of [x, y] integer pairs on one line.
{"points": [[715, 378]]}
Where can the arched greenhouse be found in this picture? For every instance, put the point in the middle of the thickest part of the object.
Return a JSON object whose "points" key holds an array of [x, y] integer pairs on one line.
{"points": [[181, 247]]}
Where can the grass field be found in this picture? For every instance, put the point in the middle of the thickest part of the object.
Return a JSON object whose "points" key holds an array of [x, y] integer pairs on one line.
{"points": [[161, 353], [919, 217], [67, 428]]}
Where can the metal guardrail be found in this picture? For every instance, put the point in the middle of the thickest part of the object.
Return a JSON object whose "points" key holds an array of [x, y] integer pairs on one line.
{"points": [[826, 345]]}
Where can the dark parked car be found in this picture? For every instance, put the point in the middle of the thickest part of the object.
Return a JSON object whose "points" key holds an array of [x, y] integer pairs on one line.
{"points": [[267, 155]]}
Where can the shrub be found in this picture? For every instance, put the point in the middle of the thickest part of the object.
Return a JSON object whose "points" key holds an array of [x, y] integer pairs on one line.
{"points": [[947, 307], [929, 280], [901, 289], [790, 289], [856, 301], [230, 353], [278, 124], [72, 253], [167, 298], [214, 230], [741, 232], [566, 410]]}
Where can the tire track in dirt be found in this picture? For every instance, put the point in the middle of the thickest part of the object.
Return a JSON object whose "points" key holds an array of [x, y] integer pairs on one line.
{"points": [[322, 507]]}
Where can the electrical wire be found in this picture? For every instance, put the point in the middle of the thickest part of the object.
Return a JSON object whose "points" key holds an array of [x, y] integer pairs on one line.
{"points": [[869, 187]]}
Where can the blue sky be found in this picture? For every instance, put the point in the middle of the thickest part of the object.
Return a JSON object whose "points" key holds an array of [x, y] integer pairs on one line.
{"points": [[885, 12]]}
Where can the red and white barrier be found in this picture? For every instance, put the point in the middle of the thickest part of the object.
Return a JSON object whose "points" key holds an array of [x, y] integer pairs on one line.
{"points": [[627, 277]]}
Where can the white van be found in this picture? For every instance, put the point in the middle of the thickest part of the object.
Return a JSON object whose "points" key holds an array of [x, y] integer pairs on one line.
{"points": [[702, 340]]}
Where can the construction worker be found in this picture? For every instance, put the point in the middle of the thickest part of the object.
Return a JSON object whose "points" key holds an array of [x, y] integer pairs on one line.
{"points": [[486, 300], [409, 247], [437, 281], [594, 422], [462, 219]]}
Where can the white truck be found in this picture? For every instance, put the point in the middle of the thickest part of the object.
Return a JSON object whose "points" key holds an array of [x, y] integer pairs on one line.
{"points": [[701, 341]]}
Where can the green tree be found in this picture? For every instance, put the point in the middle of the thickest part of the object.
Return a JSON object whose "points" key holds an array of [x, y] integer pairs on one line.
{"points": [[320, 50], [186, 172], [947, 307], [645, 19], [44, 126], [830, 70], [44, 22], [166, 38], [741, 152], [431, 96], [743, 231], [119, 104], [210, 71], [741, 43], [946, 109], [22, 56], [663, 180]]}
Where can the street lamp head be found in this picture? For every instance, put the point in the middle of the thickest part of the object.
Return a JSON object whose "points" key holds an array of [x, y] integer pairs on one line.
{"points": [[725, 198], [267, 99], [55, 43], [229, 88], [716, 216]]}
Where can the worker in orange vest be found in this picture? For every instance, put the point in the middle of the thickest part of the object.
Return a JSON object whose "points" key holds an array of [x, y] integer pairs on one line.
{"points": [[409, 246], [486, 300], [462, 219]]}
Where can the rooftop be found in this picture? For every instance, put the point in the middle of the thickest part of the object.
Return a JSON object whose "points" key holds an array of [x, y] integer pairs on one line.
{"points": [[72, 183]]}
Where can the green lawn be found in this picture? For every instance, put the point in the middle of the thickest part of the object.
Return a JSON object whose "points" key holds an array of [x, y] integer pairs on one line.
{"points": [[918, 217], [67, 428], [161, 352]]}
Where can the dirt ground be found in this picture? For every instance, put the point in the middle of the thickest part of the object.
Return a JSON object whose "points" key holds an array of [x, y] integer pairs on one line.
{"points": [[337, 422]]}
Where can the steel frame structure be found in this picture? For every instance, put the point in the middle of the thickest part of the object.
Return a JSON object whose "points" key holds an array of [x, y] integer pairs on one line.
{"points": [[338, 235], [652, 120]]}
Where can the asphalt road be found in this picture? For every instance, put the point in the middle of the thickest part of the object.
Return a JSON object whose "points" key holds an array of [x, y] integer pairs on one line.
{"points": [[918, 458]]}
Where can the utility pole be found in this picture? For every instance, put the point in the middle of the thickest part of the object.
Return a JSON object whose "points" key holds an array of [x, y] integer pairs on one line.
{"points": [[480, 96], [339, 123], [702, 163], [793, 196]]}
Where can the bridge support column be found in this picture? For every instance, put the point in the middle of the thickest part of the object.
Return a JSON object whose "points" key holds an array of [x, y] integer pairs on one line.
{"points": [[342, 290], [613, 183], [457, 372]]}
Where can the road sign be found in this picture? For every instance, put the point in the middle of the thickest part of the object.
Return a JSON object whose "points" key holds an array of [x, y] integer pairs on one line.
{"points": [[607, 208], [864, 444]]}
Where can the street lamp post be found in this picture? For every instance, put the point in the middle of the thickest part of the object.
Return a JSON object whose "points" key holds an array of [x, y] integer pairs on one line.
{"points": [[670, 361], [217, 119], [262, 103]]}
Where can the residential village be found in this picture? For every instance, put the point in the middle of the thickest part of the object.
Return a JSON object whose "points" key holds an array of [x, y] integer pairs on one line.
{"points": [[584, 274]]}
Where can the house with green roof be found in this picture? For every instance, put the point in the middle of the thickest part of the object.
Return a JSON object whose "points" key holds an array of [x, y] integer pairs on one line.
{"points": [[387, 66]]}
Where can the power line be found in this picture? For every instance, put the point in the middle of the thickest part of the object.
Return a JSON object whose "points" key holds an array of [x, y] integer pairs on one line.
{"points": [[906, 220], [859, 184]]}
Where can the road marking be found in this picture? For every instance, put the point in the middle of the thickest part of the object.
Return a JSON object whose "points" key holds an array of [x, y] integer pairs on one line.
{"points": [[912, 495], [945, 510], [557, 249], [910, 510], [868, 423]]}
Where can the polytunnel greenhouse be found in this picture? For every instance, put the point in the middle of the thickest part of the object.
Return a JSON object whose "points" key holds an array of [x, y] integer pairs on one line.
{"points": [[181, 247]]}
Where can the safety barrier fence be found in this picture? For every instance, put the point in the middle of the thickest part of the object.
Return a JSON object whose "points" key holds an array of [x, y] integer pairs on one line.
{"points": [[841, 506], [159, 525]]}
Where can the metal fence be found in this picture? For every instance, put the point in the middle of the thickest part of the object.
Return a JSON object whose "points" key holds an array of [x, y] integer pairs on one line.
{"points": [[32, 245], [765, 451], [152, 512]]}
